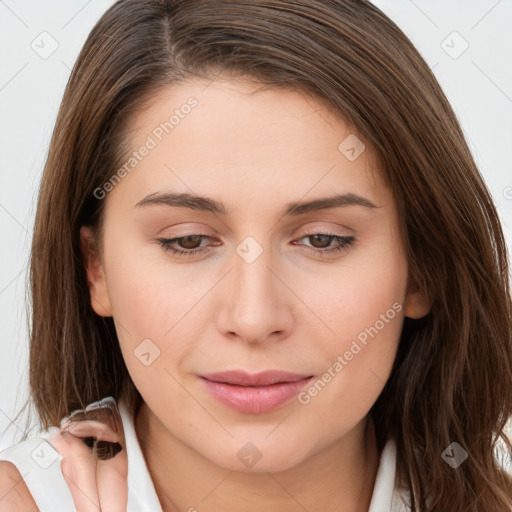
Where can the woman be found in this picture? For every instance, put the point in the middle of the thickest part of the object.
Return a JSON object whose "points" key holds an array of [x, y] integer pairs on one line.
{"points": [[261, 232]]}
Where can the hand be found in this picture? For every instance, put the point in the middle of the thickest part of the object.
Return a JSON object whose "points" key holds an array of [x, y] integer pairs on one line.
{"points": [[95, 463]]}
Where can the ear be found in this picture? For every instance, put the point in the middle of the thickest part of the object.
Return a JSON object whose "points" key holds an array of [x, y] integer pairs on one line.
{"points": [[417, 304], [96, 281]]}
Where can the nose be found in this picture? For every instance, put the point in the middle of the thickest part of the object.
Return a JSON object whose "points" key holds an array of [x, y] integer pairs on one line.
{"points": [[256, 308]]}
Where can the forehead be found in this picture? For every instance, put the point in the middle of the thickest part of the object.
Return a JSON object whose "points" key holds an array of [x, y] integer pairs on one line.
{"points": [[244, 139], [256, 118]]}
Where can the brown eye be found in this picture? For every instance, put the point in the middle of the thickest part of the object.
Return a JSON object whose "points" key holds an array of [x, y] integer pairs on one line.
{"points": [[320, 241], [191, 241], [186, 245]]}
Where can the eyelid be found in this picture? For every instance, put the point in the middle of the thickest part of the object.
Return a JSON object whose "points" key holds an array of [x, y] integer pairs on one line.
{"points": [[327, 230], [186, 229], [304, 231]]}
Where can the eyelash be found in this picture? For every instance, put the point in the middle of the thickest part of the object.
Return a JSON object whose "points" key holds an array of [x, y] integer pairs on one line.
{"points": [[344, 243]]}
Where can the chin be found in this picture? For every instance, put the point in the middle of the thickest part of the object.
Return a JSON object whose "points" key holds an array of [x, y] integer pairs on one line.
{"points": [[258, 457]]}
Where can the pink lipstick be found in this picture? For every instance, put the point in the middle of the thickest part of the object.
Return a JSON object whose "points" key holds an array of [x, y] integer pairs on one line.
{"points": [[254, 393]]}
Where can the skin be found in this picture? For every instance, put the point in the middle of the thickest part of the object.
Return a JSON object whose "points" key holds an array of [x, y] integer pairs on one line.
{"points": [[290, 309]]}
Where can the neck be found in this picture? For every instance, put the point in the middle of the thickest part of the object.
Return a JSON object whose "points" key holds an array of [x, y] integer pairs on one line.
{"points": [[339, 478]]}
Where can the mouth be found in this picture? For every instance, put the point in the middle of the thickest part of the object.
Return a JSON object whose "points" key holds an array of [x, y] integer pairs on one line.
{"points": [[257, 393]]}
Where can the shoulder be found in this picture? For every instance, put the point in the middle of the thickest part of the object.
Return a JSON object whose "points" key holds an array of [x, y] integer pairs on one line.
{"points": [[31, 478], [14, 492]]}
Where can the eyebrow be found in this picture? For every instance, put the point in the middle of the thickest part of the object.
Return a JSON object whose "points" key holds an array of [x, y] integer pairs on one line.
{"points": [[194, 202]]}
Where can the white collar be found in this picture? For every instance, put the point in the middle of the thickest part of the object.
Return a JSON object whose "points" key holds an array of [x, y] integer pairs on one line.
{"points": [[141, 491], [386, 497]]}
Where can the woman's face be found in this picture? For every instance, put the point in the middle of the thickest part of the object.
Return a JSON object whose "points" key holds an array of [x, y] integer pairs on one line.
{"points": [[294, 263]]}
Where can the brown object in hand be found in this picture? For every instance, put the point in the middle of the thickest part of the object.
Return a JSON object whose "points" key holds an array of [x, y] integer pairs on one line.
{"points": [[106, 450], [104, 411]]}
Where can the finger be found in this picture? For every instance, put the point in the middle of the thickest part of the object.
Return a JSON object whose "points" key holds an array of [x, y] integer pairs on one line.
{"points": [[111, 463], [89, 428], [109, 452], [78, 469], [112, 471], [108, 438], [112, 483]]}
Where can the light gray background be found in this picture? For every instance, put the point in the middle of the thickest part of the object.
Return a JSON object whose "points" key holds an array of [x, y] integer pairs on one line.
{"points": [[478, 83]]}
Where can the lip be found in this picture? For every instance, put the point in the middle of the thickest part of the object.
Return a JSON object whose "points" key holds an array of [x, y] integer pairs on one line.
{"points": [[256, 393]]}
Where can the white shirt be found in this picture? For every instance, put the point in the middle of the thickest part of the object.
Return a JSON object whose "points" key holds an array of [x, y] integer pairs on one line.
{"points": [[39, 465]]}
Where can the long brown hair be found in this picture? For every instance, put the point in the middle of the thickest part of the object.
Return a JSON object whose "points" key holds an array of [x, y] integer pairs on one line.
{"points": [[452, 378]]}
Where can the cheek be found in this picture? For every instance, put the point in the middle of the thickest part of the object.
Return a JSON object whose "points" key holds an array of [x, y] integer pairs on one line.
{"points": [[154, 306], [150, 295], [151, 313], [363, 306], [367, 288]]}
